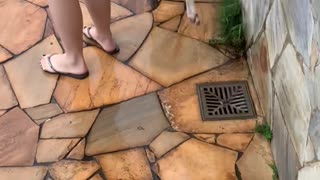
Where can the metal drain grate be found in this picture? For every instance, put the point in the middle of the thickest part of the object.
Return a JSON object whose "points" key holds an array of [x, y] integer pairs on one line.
{"points": [[225, 101]]}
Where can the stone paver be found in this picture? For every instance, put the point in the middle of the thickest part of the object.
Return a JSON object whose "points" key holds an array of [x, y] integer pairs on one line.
{"points": [[138, 6], [129, 124], [7, 97], [73, 170], [26, 20], [21, 173], [4, 55], [256, 160], [237, 142], [130, 164], [195, 159], [137, 29], [167, 141], [18, 137], [181, 58], [45, 111], [209, 23], [172, 24], [96, 177], [311, 171], [42, 3], [2, 112], [314, 131], [209, 138], [109, 82], [167, 10], [32, 86], [77, 152], [69, 125], [117, 13], [52, 150], [180, 102]]}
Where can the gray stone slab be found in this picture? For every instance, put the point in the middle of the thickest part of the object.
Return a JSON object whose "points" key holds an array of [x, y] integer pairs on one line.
{"points": [[129, 124], [314, 132], [291, 88], [316, 9], [310, 172], [300, 25]]}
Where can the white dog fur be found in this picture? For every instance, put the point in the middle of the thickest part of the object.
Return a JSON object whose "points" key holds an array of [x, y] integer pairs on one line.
{"points": [[191, 11]]}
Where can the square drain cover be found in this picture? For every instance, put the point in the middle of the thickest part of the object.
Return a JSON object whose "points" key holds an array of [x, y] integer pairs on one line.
{"points": [[225, 101]]}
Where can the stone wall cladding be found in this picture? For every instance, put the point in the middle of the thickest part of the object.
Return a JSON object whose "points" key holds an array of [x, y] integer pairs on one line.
{"points": [[284, 56]]}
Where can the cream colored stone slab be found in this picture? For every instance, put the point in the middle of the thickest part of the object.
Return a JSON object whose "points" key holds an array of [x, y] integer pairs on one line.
{"points": [[130, 164], [69, 125], [53, 150], [167, 10], [73, 170], [22, 25], [310, 172], [195, 159], [23, 173], [169, 63], [181, 105], [237, 141], [209, 26], [293, 98], [167, 141], [44, 111], [256, 160], [32, 86], [7, 97], [4, 55]]}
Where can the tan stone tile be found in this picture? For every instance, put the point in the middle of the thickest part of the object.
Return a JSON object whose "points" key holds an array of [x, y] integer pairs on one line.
{"points": [[49, 30], [44, 111], [69, 125], [130, 164], [53, 150], [20, 19], [256, 160], [7, 97], [21, 173], [18, 137], [77, 152], [133, 123], [32, 86], [96, 177], [73, 170], [2, 112], [209, 138], [195, 159], [167, 10], [129, 40], [42, 3], [169, 63], [180, 102], [150, 155], [4, 55], [109, 82], [237, 142], [138, 6], [167, 141], [41, 121], [209, 26], [117, 12], [172, 24]]}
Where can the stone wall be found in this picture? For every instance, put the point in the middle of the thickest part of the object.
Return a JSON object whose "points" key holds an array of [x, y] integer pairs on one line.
{"points": [[283, 54]]}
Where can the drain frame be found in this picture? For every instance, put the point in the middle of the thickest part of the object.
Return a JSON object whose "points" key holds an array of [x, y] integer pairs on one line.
{"points": [[246, 93]]}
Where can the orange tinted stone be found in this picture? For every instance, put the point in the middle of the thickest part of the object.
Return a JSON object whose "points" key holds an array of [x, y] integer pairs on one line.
{"points": [[22, 25], [77, 152], [209, 138], [138, 6], [4, 55], [167, 10], [109, 82], [42, 3], [172, 24], [238, 142], [20, 173], [7, 97]]}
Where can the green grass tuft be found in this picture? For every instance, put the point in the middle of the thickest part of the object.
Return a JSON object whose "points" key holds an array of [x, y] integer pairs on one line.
{"points": [[232, 31], [275, 175], [265, 130]]}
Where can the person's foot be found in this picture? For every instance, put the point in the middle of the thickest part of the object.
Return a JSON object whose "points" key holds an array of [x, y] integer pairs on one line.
{"points": [[64, 63], [104, 39]]}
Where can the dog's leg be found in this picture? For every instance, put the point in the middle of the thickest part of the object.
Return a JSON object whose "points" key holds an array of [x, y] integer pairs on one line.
{"points": [[191, 12]]}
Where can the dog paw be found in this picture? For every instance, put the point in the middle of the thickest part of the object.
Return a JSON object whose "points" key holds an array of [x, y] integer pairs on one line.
{"points": [[194, 18]]}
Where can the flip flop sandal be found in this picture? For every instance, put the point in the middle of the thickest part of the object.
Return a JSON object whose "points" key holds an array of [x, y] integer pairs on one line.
{"points": [[75, 76], [91, 41]]}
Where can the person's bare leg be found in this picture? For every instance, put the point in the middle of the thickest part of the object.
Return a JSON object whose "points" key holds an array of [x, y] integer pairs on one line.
{"points": [[100, 13], [67, 20]]}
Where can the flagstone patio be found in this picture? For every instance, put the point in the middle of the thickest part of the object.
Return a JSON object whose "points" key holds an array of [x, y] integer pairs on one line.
{"points": [[137, 116]]}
